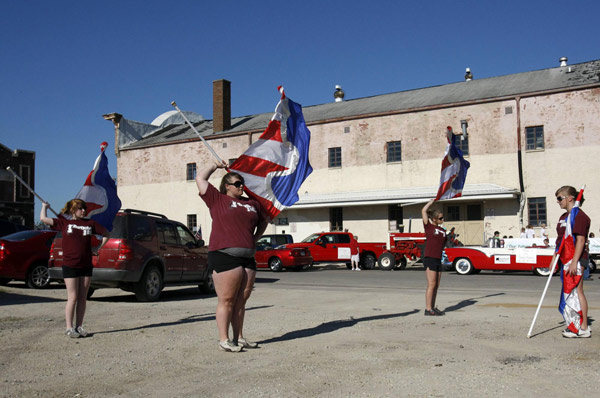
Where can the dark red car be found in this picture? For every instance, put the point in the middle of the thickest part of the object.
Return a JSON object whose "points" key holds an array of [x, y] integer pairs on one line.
{"points": [[24, 256], [280, 258]]}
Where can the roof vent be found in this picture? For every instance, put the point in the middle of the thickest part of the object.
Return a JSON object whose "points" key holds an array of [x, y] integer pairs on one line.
{"points": [[468, 75], [563, 61], [338, 94]]}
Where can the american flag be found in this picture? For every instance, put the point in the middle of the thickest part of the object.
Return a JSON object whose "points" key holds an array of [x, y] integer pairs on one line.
{"points": [[276, 165], [454, 170], [569, 305]]}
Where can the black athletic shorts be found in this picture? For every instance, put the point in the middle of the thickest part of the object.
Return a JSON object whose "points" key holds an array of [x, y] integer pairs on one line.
{"points": [[219, 262], [434, 264], [74, 272]]}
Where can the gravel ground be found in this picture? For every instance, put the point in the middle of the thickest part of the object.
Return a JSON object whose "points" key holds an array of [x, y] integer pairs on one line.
{"points": [[314, 343]]}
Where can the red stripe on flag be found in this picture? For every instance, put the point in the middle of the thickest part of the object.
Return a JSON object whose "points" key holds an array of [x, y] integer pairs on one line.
{"points": [[443, 188], [256, 166], [266, 204], [273, 131]]}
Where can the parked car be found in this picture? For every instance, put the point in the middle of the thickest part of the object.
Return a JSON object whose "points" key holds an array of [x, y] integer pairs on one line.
{"points": [[24, 256], [274, 240], [145, 252], [472, 259], [280, 257], [9, 227]]}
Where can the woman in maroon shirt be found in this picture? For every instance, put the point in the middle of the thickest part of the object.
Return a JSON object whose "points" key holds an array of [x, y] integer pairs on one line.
{"points": [[435, 239], [237, 223], [77, 258]]}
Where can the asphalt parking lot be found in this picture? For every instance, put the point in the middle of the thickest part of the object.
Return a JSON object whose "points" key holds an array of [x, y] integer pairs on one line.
{"points": [[329, 332]]}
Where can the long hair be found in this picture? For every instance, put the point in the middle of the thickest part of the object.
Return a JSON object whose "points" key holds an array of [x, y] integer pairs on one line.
{"points": [[226, 180], [570, 191], [72, 205]]}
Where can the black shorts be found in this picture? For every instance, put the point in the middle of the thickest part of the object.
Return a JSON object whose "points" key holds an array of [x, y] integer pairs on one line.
{"points": [[219, 262], [434, 264], [74, 272]]}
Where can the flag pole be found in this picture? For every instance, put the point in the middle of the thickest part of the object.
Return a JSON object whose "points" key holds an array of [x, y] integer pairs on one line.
{"points": [[197, 133], [544, 293], [29, 188]]}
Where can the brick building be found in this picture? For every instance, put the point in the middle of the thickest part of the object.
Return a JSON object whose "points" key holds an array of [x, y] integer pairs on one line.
{"points": [[526, 134], [16, 202]]}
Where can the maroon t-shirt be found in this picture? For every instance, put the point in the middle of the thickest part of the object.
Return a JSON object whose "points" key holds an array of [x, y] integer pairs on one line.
{"points": [[77, 240], [580, 227], [233, 220], [435, 240]]}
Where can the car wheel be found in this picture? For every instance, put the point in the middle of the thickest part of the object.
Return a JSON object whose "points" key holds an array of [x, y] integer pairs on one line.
{"points": [[208, 287], [149, 287], [387, 262], [463, 266], [402, 264], [368, 262], [275, 264], [544, 271], [38, 276]]}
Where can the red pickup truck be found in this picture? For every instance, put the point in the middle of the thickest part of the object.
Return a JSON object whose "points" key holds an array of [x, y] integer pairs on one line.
{"points": [[333, 247]]}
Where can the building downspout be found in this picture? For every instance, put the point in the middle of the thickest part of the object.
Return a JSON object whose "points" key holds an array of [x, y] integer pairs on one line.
{"points": [[520, 163]]}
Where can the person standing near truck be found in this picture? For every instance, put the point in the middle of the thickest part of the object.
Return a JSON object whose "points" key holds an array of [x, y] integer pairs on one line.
{"points": [[435, 239]]}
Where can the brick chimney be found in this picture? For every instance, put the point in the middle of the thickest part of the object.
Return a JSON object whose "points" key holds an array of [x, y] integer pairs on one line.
{"points": [[221, 105]]}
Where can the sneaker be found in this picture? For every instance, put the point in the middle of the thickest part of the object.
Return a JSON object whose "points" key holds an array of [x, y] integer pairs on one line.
{"points": [[585, 333], [228, 346], [82, 332], [438, 312], [72, 333], [244, 343], [568, 334], [430, 313], [358, 269]]}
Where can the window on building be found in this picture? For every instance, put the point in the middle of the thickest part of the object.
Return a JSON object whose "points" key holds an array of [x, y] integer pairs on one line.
{"points": [[232, 161], [452, 213], [395, 218], [190, 172], [192, 222], [537, 211], [394, 151], [474, 212], [282, 221], [535, 138], [336, 219], [462, 143], [335, 157], [25, 174]]}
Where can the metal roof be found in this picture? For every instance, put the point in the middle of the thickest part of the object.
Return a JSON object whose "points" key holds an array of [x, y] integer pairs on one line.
{"points": [[563, 77]]}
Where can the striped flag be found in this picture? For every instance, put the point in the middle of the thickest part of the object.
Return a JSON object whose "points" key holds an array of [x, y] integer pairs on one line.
{"points": [[454, 170], [276, 165], [99, 192], [569, 305]]}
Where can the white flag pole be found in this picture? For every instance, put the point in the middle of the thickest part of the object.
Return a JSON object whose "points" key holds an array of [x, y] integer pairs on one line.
{"points": [[543, 294], [29, 188], [197, 133]]}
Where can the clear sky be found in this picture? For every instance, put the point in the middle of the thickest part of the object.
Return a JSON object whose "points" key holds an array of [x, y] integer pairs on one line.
{"points": [[66, 63]]}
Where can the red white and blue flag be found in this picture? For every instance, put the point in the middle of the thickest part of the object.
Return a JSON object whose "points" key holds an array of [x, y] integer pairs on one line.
{"points": [[569, 305], [454, 170], [276, 165], [100, 193]]}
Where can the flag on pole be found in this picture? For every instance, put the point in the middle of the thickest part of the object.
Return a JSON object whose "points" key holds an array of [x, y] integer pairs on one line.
{"points": [[454, 170], [276, 165], [100, 192], [569, 305]]}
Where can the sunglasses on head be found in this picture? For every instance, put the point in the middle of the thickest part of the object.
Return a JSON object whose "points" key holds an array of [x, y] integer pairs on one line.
{"points": [[237, 184]]}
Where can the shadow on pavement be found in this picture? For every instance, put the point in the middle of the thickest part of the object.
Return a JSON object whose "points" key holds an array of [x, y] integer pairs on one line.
{"points": [[189, 319], [468, 302], [16, 298], [332, 326], [183, 294]]}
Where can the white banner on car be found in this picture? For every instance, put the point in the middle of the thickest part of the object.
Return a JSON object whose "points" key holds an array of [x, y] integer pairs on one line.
{"points": [[343, 253]]}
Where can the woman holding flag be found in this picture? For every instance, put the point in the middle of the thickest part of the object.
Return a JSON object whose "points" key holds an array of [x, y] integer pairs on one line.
{"points": [[237, 223], [435, 240], [573, 226]]}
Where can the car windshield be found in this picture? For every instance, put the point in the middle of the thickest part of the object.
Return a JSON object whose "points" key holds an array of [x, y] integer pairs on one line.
{"points": [[311, 238], [21, 236]]}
